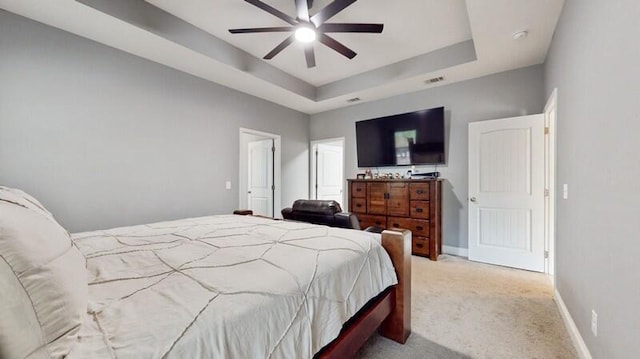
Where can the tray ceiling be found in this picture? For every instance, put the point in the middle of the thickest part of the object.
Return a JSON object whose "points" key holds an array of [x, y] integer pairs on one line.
{"points": [[422, 39]]}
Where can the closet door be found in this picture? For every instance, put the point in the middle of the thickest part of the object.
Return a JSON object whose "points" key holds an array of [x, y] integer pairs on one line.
{"points": [[506, 192]]}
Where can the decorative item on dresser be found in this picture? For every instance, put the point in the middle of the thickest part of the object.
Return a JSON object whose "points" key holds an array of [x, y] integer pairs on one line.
{"points": [[413, 204]]}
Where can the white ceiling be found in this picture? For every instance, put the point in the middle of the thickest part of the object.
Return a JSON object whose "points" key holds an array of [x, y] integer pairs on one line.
{"points": [[403, 36], [421, 39]]}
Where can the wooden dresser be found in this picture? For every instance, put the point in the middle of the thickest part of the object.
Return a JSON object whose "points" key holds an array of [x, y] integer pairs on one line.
{"points": [[414, 204]]}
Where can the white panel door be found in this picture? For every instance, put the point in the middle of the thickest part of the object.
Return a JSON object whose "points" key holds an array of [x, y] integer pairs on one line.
{"points": [[329, 172], [260, 181], [506, 192]]}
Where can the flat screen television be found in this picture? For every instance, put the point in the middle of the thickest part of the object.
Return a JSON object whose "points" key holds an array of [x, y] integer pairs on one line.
{"points": [[413, 138]]}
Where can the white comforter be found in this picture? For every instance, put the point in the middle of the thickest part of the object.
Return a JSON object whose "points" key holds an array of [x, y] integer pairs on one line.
{"points": [[225, 287]]}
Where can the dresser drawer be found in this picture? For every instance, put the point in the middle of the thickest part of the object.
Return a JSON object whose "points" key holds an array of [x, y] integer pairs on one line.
{"points": [[420, 246], [368, 221], [418, 227], [358, 189], [419, 191], [358, 205], [420, 209]]}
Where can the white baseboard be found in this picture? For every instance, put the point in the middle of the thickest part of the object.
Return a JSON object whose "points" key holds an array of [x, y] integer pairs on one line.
{"points": [[456, 251], [576, 338]]}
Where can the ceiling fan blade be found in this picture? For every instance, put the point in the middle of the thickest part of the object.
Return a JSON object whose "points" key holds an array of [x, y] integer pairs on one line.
{"points": [[329, 11], [302, 10], [261, 29], [334, 44], [279, 48], [334, 27], [273, 11], [309, 55]]}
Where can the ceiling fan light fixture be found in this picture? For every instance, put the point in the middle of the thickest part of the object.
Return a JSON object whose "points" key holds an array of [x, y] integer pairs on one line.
{"points": [[305, 34], [307, 29]]}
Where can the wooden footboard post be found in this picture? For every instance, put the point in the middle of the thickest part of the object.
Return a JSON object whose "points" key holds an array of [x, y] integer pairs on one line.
{"points": [[397, 326]]}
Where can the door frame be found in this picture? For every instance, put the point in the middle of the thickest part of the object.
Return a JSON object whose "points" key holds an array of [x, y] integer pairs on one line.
{"points": [[244, 169], [312, 167], [550, 181]]}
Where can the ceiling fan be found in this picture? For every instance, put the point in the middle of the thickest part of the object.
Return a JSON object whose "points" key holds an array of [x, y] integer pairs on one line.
{"points": [[307, 28]]}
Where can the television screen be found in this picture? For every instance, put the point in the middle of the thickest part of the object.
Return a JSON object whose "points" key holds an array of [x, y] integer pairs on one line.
{"points": [[414, 138]]}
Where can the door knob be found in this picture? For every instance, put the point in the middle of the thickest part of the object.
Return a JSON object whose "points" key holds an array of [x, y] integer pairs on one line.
{"points": [[472, 199], [248, 191]]}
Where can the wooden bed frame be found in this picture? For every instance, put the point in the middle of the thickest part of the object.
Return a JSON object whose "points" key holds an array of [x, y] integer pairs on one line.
{"points": [[390, 311]]}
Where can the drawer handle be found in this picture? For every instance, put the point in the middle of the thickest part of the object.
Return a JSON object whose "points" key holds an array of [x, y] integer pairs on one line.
{"points": [[358, 189], [419, 245], [419, 210], [395, 225], [419, 228], [419, 191], [378, 223], [358, 205]]}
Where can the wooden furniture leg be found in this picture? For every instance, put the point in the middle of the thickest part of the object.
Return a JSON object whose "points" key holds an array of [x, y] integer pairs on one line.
{"points": [[397, 326]]}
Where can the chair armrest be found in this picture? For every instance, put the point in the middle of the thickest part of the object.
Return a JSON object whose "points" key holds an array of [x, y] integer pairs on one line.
{"points": [[287, 213], [347, 220]]}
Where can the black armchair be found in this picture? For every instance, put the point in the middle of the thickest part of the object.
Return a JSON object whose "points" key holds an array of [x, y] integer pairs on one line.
{"points": [[321, 212]]}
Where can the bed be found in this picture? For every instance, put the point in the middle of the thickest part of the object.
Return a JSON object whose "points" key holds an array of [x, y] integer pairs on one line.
{"points": [[223, 286]]}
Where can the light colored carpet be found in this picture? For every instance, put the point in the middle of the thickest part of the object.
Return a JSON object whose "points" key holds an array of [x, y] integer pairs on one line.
{"points": [[467, 310]]}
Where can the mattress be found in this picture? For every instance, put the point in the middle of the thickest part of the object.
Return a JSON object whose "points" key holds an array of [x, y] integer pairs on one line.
{"points": [[225, 287]]}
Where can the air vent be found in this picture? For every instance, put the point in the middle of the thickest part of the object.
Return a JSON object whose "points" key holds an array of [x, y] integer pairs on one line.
{"points": [[355, 99], [434, 80]]}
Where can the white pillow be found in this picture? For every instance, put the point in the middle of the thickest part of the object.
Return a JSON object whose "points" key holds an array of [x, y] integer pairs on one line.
{"points": [[24, 199], [43, 281]]}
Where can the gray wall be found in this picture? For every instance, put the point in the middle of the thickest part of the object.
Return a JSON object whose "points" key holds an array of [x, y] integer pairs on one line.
{"points": [[104, 138], [507, 94], [595, 64]]}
